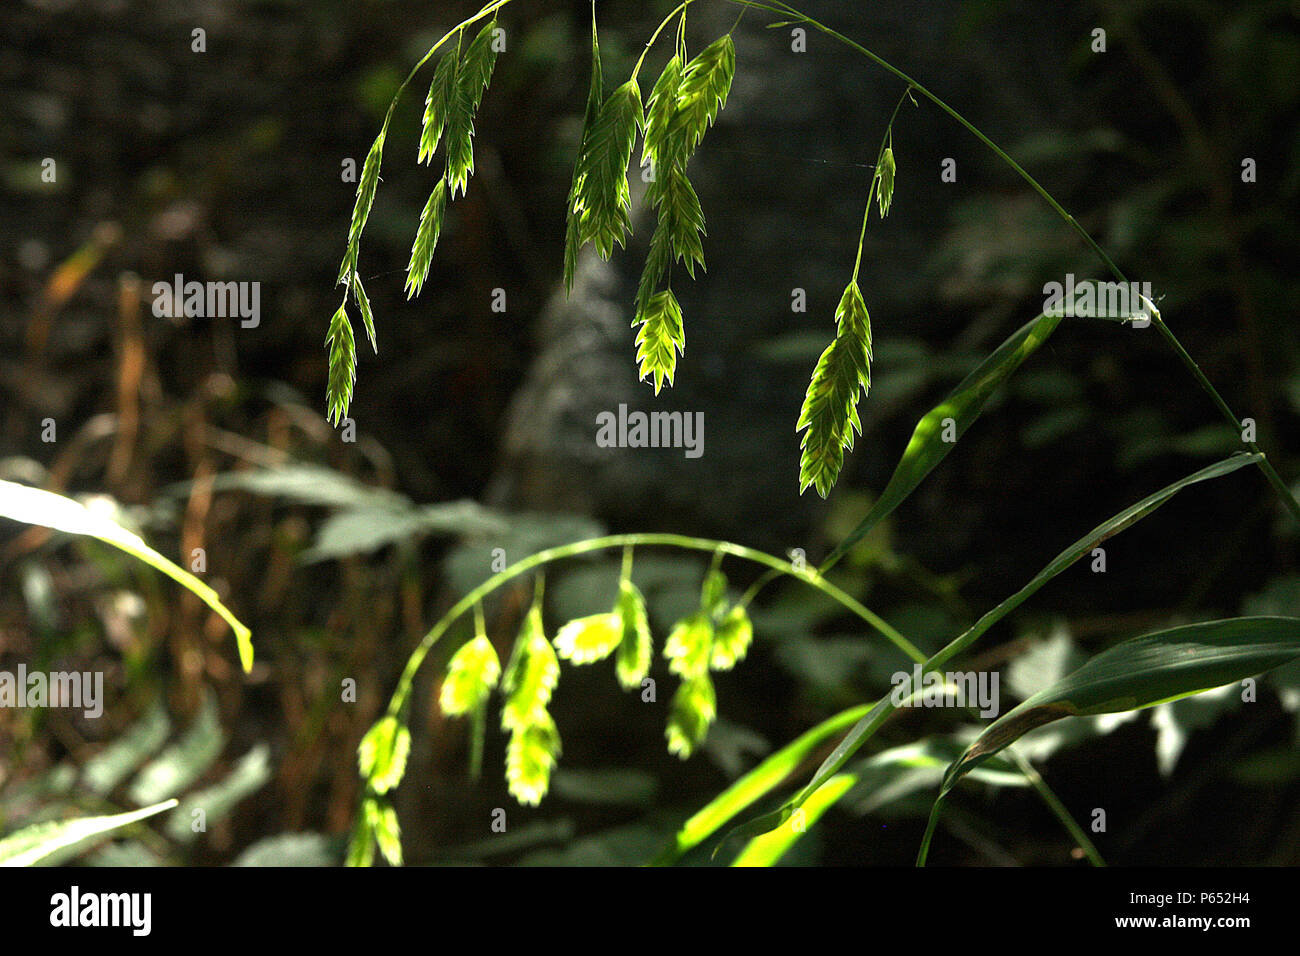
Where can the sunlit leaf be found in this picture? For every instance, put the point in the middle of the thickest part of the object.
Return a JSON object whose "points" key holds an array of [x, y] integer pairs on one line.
{"points": [[963, 405], [183, 762], [1143, 672], [754, 785], [50, 510], [30, 845]]}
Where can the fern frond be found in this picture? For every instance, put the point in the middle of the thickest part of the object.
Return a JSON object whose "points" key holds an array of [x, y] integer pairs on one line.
{"points": [[437, 104], [829, 410], [603, 199], [660, 338], [342, 364], [693, 710], [426, 239], [572, 229]]}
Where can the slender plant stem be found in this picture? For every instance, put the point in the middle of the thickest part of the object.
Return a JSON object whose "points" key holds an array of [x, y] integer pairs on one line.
{"points": [[680, 8], [1056, 806], [885, 140], [398, 701], [1284, 493]]}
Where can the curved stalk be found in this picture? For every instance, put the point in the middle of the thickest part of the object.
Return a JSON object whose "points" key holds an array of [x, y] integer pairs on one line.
{"points": [[1284, 493], [809, 577]]}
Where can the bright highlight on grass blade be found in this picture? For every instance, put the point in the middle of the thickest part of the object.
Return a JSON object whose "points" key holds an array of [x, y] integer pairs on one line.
{"points": [[32, 844], [1143, 672], [47, 509]]}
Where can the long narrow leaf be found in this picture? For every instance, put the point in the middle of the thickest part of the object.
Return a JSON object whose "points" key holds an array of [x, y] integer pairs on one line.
{"points": [[1143, 672], [753, 786], [34, 843], [963, 405], [878, 714], [768, 849], [39, 507]]}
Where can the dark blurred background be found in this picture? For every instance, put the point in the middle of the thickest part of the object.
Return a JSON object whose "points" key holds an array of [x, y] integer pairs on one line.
{"points": [[225, 165]]}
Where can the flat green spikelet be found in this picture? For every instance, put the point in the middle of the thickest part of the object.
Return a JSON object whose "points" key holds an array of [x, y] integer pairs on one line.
{"points": [[692, 712], [603, 199], [706, 82], [361, 208], [383, 752], [471, 674], [460, 140], [530, 677], [438, 104], [589, 639], [659, 112], [635, 649], [829, 410], [426, 239], [342, 364], [885, 193], [731, 639], [660, 338], [530, 758], [363, 303], [476, 66], [680, 215], [573, 208], [689, 645], [528, 683]]}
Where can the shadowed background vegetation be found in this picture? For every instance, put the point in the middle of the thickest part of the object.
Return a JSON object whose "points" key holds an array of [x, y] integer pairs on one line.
{"points": [[226, 165]]}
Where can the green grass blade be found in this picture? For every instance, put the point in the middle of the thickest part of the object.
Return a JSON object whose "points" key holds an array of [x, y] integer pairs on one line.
{"points": [[878, 714], [1143, 672], [767, 850], [752, 786], [34, 843], [1107, 529], [47, 509], [963, 405]]}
